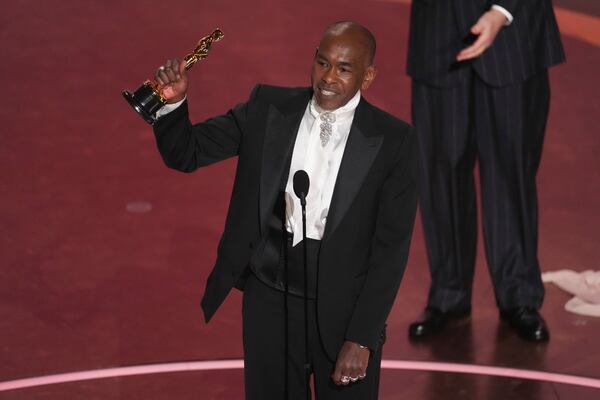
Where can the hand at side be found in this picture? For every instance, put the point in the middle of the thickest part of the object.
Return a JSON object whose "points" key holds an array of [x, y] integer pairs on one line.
{"points": [[351, 362]]}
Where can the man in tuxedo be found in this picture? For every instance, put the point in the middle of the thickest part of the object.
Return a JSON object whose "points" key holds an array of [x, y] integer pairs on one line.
{"points": [[362, 164], [481, 91]]}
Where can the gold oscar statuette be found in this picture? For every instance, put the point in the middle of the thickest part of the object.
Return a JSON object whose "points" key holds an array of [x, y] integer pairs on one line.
{"points": [[148, 98]]}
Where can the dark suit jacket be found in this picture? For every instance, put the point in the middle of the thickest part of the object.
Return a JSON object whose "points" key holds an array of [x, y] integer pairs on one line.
{"points": [[439, 29], [366, 240]]}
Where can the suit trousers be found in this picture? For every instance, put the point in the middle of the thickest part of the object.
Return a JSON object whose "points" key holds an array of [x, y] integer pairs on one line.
{"points": [[266, 367], [502, 128]]}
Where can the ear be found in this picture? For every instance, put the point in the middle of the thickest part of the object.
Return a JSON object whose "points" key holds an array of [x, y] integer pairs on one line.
{"points": [[369, 77]]}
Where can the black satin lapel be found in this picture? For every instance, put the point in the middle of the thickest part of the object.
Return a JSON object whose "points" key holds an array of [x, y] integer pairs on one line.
{"points": [[358, 156], [280, 136]]}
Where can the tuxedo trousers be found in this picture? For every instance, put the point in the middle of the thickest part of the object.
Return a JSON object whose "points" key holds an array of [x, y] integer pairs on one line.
{"points": [[502, 129], [274, 369]]}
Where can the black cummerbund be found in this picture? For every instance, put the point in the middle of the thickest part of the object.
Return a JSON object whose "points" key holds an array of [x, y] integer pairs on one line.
{"points": [[277, 261]]}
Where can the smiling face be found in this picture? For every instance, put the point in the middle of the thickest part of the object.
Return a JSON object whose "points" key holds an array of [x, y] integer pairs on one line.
{"points": [[341, 67]]}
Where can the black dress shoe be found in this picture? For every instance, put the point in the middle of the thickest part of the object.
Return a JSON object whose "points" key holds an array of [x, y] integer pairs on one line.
{"points": [[432, 321], [527, 323]]}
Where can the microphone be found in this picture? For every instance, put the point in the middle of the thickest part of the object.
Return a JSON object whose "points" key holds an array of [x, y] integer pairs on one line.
{"points": [[301, 185]]}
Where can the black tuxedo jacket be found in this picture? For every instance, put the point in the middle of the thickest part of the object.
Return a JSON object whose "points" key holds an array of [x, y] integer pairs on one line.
{"points": [[439, 29], [369, 226]]}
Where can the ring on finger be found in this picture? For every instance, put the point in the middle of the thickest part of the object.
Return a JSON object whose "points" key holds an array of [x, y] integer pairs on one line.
{"points": [[353, 378], [345, 379], [362, 376]]}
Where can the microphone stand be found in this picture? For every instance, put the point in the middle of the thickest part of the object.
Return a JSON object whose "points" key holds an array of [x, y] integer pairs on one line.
{"points": [[301, 186], [286, 288], [306, 353]]}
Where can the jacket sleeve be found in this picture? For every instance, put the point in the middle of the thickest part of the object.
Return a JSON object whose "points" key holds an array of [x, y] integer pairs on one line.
{"points": [[389, 248], [512, 6], [186, 147]]}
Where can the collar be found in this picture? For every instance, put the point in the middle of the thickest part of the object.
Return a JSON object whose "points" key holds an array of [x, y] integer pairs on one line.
{"points": [[346, 111]]}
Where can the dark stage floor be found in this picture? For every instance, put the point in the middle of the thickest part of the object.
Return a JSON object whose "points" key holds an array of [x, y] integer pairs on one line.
{"points": [[104, 251]]}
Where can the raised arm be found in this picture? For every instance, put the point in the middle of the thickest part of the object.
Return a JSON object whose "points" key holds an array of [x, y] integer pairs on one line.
{"points": [[186, 147]]}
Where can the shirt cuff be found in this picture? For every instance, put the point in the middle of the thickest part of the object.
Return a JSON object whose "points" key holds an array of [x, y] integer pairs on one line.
{"points": [[167, 108], [509, 17]]}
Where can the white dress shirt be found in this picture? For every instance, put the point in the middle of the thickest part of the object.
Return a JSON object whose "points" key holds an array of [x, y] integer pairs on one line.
{"points": [[322, 164]]}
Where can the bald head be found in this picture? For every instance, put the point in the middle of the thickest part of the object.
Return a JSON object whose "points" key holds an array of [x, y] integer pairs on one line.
{"points": [[359, 34], [343, 64]]}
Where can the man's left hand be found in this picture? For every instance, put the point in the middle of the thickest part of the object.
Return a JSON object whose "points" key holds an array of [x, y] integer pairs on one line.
{"points": [[486, 29], [351, 364]]}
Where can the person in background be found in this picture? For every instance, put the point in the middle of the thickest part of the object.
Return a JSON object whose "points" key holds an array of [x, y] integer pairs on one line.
{"points": [[480, 92]]}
